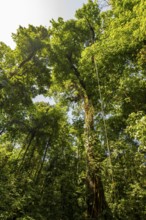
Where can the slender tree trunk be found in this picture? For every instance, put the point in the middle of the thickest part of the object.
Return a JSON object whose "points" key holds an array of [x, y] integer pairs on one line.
{"points": [[96, 204]]}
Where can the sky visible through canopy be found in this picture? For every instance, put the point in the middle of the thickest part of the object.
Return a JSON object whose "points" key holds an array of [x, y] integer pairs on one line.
{"points": [[36, 12]]}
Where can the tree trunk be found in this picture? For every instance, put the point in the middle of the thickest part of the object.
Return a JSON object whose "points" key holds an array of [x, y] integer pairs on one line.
{"points": [[96, 204]]}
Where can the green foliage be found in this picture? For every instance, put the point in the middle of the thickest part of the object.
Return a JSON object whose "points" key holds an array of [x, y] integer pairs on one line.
{"points": [[85, 155]]}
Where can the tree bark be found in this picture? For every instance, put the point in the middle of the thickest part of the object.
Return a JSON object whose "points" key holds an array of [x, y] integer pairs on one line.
{"points": [[96, 204]]}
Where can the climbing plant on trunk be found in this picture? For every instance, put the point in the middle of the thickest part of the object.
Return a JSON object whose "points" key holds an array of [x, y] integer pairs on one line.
{"points": [[77, 82]]}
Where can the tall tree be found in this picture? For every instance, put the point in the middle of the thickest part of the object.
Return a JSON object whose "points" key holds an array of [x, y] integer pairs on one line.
{"points": [[83, 157], [67, 53]]}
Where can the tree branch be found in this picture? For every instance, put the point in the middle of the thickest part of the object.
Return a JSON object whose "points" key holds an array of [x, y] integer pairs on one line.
{"points": [[23, 63], [77, 73]]}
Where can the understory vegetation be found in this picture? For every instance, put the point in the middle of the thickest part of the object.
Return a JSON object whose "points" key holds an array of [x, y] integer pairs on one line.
{"points": [[82, 156]]}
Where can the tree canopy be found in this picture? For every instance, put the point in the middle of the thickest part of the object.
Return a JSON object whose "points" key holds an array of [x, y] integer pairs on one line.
{"points": [[82, 157]]}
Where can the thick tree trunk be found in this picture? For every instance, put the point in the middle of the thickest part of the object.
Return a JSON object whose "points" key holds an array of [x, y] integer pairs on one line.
{"points": [[96, 204]]}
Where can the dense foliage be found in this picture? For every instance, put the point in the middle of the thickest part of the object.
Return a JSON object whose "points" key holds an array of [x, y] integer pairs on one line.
{"points": [[82, 157]]}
